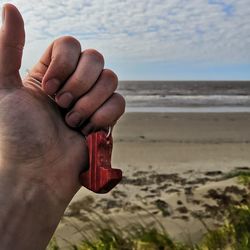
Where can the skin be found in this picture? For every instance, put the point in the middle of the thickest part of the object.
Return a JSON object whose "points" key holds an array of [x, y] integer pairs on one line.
{"points": [[41, 153]]}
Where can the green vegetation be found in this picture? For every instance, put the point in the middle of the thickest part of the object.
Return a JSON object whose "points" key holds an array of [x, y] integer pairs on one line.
{"points": [[238, 173], [53, 244], [234, 234], [244, 179], [137, 237], [140, 238]]}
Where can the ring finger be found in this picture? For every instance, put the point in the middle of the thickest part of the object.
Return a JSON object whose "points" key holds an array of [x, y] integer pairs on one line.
{"points": [[93, 99]]}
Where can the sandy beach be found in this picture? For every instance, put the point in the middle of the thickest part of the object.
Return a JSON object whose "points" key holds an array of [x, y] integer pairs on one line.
{"points": [[174, 167], [178, 142]]}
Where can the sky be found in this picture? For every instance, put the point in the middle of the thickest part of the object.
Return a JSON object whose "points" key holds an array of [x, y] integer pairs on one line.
{"points": [[148, 39]]}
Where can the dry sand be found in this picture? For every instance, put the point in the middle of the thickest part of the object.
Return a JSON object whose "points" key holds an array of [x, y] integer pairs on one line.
{"points": [[174, 167]]}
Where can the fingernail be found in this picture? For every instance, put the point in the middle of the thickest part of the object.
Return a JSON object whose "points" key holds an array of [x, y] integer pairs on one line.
{"points": [[74, 119], [64, 99], [3, 15], [51, 86]]}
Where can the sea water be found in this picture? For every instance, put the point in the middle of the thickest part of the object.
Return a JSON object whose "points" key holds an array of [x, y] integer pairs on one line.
{"points": [[189, 96]]}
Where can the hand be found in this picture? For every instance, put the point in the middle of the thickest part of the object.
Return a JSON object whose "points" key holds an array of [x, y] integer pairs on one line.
{"points": [[79, 84], [40, 156]]}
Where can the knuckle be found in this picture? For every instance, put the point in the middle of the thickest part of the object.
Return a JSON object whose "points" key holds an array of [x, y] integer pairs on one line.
{"points": [[97, 56], [110, 78], [69, 40], [121, 103], [75, 81]]}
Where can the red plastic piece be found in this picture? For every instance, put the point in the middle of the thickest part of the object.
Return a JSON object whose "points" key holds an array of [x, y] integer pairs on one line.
{"points": [[100, 178]]}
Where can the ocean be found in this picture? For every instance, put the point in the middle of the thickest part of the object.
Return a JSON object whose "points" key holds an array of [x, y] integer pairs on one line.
{"points": [[186, 96]]}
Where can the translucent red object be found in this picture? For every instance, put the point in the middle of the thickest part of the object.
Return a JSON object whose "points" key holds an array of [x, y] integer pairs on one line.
{"points": [[101, 177]]}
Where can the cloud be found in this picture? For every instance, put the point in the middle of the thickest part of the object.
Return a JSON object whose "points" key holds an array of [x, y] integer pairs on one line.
{"points": [[213, 31]]}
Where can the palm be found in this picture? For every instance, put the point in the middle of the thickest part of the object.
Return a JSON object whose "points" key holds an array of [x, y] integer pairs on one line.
{"points": [[34, 132]]}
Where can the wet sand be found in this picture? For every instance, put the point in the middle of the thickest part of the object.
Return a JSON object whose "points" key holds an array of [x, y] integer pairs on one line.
{"points": [[182, 141]]}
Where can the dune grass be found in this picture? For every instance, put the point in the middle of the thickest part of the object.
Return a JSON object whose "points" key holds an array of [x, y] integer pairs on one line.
{"points": [[138, 238], [234, 234]]}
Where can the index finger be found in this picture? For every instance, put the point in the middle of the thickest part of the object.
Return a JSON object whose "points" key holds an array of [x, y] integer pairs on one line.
{"points": [[57, 63]]}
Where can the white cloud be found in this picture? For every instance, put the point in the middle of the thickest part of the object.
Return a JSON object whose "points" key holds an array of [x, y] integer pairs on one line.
{"points": [[157, 30]]}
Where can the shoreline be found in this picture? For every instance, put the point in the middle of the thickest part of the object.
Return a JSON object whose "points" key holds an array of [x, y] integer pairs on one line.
{"points": [[201, 110]]}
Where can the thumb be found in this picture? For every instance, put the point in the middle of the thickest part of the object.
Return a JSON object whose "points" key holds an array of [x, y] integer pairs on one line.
{"points": [[12, 38]]}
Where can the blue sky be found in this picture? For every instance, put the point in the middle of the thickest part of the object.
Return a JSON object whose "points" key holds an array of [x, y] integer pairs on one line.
{"points": [[148, 39]]}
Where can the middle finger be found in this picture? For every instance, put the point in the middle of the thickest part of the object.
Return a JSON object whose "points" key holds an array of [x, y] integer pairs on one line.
{"points": [[89, 68]]}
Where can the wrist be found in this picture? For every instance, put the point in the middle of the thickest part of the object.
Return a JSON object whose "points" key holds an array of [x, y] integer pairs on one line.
{"points": [[29, 212]]}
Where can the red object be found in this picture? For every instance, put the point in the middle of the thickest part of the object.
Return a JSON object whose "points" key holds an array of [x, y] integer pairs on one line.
{"points": [[100, 178]]}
